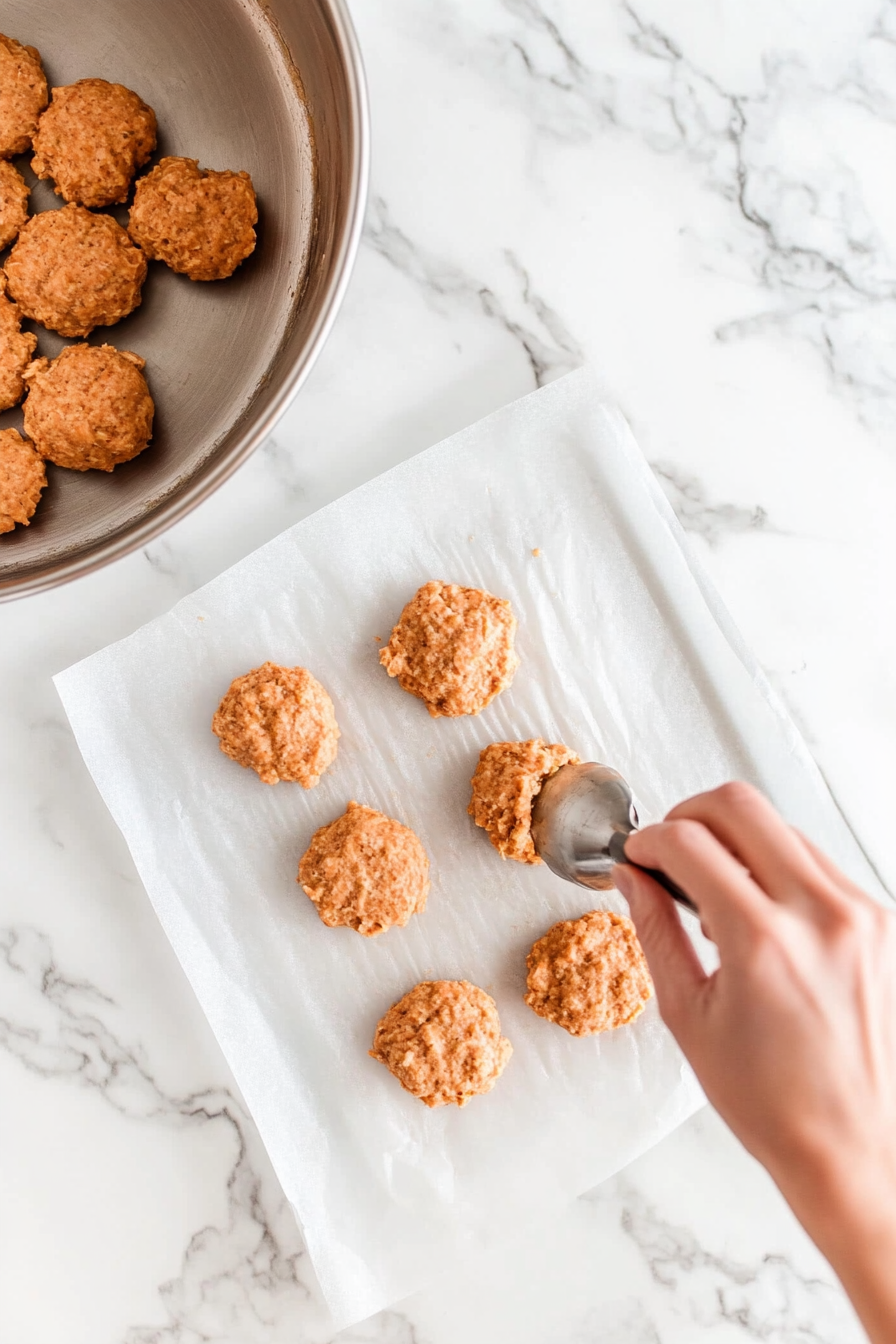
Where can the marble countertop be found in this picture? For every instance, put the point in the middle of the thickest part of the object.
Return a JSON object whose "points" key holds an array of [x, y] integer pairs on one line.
{"points": [[701, 205]]}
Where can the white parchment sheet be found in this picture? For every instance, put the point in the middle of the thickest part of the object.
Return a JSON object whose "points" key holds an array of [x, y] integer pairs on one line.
{"points": [[627, 657]]}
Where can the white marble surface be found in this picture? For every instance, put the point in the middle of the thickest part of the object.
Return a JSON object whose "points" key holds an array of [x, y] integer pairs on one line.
{"points": [[698, 199]]}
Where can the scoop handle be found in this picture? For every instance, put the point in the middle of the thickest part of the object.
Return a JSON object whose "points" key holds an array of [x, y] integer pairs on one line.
{"points": [[616, 849]]}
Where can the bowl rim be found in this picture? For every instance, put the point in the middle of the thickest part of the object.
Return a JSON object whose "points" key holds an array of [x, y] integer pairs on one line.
{"points": [[185, 501]]}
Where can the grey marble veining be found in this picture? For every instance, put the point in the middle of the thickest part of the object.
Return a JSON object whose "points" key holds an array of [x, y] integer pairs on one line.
{"points": [[703, 516], [247, 1278], [768, 1300], [803, 219], [243, 1275], [549, 348]]}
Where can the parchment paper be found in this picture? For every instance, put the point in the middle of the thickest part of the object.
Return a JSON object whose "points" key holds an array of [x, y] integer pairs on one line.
{"points": [[627, 657]]}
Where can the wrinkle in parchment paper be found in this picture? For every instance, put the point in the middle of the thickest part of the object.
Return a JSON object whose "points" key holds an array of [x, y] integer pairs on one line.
{"points": [[627, 657]]}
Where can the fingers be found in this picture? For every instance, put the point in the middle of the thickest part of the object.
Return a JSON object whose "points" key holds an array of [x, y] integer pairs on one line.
{"points": [[674, 964], [729, 901], [831, 871], [745, 822]]}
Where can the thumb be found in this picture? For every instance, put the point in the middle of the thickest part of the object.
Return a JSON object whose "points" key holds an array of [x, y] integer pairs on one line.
{"points": [[671, 956]]}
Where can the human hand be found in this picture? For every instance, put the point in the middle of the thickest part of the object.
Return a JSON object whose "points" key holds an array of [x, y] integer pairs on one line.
{"points": [[794, 1036]]}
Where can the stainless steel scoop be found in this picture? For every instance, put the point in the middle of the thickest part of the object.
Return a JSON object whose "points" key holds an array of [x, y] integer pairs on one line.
{"points": [[580, 822]]}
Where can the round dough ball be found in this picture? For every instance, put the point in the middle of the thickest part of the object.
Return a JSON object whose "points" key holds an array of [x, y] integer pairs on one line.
{"points": [[23, 95], [589, 974], [280, 722], [507, 780], [366, 871], [453, 648], [92, 139], [443, 1042], [16, 349], [22, 477], [89, 408], [72, 271], [198, 221], [14, 193]]}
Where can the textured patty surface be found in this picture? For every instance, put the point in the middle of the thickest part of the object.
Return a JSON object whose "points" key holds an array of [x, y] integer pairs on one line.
{"points": [[453, 648], [443, 1042], [92, 139], [23, 95], [89, 408], [14, 193], [507, 781], [72, 270], [198, 221], [365, 870], [280, 722], [22, 478], [16, 349], [589, 974]]}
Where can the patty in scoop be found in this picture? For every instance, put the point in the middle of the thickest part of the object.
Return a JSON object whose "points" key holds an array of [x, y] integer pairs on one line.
{"points": [[200, 222], [92, 139], [23, 95], [88, 408], [507, 781], [72, 271]]}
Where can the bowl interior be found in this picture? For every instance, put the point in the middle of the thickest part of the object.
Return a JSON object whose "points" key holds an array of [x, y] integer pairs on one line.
{"points": [[236, 85]]}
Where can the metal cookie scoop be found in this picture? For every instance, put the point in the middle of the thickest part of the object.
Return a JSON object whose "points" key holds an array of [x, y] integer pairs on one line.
{"points": [[580, 821]]}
